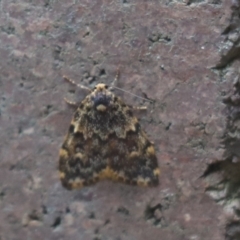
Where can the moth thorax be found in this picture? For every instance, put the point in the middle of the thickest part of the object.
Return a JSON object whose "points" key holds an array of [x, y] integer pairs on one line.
{"points": [[101, 101]]}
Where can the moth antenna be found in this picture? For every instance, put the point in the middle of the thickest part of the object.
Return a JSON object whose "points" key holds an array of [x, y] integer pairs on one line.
{"points": [[133, 94]]}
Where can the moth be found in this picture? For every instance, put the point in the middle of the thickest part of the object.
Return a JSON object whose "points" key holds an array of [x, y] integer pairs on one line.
{"points": [[106, 141]]}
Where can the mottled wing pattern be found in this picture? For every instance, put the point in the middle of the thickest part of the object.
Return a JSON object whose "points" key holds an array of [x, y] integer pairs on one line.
{"points": [[132, 160], [105, 141]]}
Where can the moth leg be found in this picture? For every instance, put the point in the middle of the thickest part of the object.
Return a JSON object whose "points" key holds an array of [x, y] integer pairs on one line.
{"points": [[139, 108], [115, 79], [77, 85], [71, 103]]}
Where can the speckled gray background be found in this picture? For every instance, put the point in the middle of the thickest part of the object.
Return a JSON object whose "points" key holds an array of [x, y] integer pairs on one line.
{"points": [[166, 51]]}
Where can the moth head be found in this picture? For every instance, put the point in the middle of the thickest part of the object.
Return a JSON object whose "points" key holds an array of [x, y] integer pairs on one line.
{"points": [[101, 97]]}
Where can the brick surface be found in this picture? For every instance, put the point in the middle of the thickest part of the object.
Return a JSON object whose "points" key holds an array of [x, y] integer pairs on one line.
{"points": [[165, 51]]}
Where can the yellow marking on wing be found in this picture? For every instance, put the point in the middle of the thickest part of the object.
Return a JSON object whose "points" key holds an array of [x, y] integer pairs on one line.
{"points": [[156, 172], [143, 182], [134, 154], [76, 183], [62, 175], [63, 153], [108, 173], [150, 150]]}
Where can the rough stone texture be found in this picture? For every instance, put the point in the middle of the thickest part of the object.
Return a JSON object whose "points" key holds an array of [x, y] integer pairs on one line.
{"points": [[181, 54]]}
